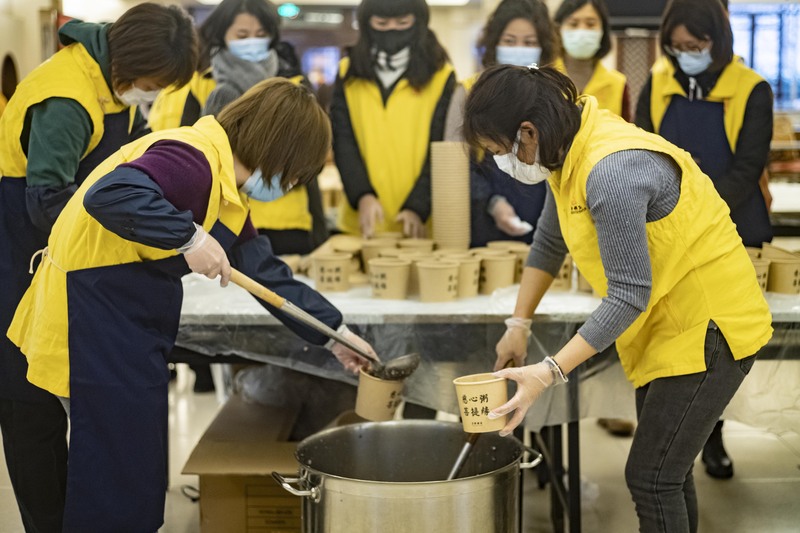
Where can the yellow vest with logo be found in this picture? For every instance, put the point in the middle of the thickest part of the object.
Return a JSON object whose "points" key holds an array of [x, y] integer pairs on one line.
{"points": [[71, 73], [607, 86], [78, 242], [733, 89], [393, 139], [700, 269]]}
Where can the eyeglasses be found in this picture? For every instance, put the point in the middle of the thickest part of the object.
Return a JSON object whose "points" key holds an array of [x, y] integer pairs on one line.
{"points": [[675, 50]]}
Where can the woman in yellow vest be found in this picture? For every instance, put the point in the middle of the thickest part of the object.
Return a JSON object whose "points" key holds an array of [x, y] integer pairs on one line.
{"points": [[241, 38], [518, 32], [705, 100], [389, 103], [586, 39], [654, 239], [170, 203], [66, 117]]}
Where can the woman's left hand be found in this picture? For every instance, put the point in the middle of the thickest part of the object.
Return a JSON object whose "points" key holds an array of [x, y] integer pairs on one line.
{"points": [[531, 380], [412, 224]]}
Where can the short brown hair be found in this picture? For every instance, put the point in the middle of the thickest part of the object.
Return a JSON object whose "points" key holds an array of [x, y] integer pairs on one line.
{"points": [[535, 12], [704, 19], [153, 41], [279, 127]]}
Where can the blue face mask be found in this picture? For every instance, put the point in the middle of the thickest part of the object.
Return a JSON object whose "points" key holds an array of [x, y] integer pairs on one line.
{"points": [[693, 63], [256, 189], [581, 44], [255, 49], [521, 56]]}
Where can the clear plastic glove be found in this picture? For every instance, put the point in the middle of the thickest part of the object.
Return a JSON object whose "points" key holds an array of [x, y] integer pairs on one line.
{"points": [[370, 213], [204, 255], [513, 345], [413, 226], [506, 219], [350, 360], [531, 380]]}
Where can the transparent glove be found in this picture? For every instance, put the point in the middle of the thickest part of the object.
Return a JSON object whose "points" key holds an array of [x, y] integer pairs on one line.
{"points": [[412, 224], [370, 213], [531, 380], [506, 219], [204, 255], [513, 345], [350, 360]]}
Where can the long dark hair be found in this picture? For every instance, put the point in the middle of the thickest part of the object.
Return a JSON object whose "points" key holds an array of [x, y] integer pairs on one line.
{"points": [[534, 11], [506, 95], [568, 7], [704, 19], [427, 55], [212, 31]]}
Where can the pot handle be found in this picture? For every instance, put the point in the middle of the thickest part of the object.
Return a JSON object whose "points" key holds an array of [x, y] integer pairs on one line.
{"points": [[314, 493], [537, 459]]}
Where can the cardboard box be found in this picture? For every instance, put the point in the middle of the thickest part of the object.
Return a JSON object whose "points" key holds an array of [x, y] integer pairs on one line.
{"points": [[235, 459]]}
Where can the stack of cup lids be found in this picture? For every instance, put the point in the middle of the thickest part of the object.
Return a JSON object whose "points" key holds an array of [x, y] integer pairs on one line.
{"points": [[450, 197]]}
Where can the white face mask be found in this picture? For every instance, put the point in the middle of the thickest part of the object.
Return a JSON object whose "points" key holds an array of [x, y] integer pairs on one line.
{"points": [[529, 174], [581, 44], [135, 96], [521, 56]]}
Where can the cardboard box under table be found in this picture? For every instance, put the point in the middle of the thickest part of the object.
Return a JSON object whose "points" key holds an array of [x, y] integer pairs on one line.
{"points": [[235, 458]]}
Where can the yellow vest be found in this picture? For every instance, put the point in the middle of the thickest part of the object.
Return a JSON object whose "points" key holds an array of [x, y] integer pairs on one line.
{"points": [[733, 89], [3, 103], [700, 269], [167, 110], [70, 73], [607, 86], [393, 139], [79, 242]]}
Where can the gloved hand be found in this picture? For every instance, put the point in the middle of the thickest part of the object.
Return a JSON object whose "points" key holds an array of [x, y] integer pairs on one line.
{"points": [[513, 345], [204, 255], [506, 219], [370, 213], [350, 360], [412, 224], [531, 380]]}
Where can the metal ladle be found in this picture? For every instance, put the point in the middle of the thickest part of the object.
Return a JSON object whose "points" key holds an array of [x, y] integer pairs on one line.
{"points": [[396, 369]]}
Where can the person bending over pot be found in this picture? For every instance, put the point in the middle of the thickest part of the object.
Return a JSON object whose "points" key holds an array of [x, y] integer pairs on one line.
{"points": [[102, 311]]}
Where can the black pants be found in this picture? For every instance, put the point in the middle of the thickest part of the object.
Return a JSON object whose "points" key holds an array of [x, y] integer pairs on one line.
{"points": [[35, 446], [289, 241]]}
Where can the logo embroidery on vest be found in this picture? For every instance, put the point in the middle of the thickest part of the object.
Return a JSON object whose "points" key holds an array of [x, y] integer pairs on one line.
{"points": [[575, 209]]}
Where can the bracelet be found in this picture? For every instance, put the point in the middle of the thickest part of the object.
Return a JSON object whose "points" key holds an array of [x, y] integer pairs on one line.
{"points": [[558, 374]]}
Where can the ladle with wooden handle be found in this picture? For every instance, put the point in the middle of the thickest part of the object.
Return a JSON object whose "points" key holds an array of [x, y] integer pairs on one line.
{"points": [[397, 368]]}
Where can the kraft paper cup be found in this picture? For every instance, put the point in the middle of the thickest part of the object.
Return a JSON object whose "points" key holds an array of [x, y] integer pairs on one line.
{"points": [[563, 281], [477, 395], [425, 245], [469, 276], [389, 235], [497, 271], [770, 252], [754, 253], [584, 286], [378, 399], [415, 256], [438, 280], [331, 271], [511, 246], [485, 250], [762, 272], [389, 278], [784, 276], [372, 248]]}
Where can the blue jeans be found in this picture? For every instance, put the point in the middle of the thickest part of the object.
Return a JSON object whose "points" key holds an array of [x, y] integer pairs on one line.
{"points": [[675, 418]]}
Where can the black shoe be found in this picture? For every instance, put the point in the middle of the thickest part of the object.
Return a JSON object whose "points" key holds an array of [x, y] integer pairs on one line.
{"points": [[715, 458], [202, 379]]}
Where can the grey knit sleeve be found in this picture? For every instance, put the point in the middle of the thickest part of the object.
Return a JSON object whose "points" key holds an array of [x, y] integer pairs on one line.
{"points": [[624, 192], [548, 248]]}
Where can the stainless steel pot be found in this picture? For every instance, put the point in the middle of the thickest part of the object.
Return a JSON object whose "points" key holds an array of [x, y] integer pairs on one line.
{"points": [[390, 477]]}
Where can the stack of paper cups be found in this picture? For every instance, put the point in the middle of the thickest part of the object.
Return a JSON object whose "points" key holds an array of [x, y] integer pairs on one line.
{"points": [[450, 194]]}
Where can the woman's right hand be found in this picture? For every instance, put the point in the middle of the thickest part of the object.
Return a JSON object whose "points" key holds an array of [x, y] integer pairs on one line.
{"points": [[206, 256], [370, 213], [513, 345]]}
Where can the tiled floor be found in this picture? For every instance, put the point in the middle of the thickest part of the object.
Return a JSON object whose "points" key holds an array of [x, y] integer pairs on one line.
{"points": [[763, 497]]}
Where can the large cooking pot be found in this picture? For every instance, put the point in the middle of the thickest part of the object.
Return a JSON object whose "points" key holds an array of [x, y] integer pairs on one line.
{"points": [[390, 477]]}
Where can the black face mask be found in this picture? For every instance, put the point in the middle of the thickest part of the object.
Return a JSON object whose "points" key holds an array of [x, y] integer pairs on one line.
{"points": [[392, 41]]}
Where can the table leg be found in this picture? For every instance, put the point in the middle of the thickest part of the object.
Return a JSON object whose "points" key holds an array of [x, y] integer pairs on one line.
{"points": [[574, 473]]}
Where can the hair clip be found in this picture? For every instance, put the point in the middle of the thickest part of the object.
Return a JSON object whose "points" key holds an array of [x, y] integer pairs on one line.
{"points": [[533, 66]]}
